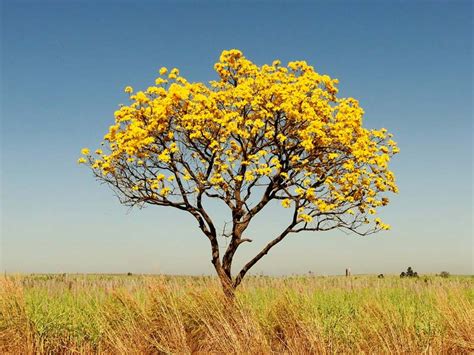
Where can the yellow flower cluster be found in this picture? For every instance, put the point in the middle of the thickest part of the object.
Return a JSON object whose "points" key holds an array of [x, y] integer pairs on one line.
{"points": [[254, 125]]}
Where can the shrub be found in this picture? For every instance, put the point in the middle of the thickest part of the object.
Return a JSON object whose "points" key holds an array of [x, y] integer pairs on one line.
{"points": [[409, 273]]}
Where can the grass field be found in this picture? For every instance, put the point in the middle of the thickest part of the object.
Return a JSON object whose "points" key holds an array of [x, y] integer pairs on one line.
{"points": [[159, 314]]}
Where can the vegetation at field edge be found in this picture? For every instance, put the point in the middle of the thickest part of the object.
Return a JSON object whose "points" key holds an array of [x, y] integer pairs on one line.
{"points": [[165, 314]]}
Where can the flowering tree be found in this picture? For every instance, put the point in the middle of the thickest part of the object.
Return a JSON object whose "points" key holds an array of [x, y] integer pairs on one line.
{"points": [[256, 135]]}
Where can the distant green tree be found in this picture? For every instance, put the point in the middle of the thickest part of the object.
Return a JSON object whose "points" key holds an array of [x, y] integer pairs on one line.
{"points": [[409, 273]]}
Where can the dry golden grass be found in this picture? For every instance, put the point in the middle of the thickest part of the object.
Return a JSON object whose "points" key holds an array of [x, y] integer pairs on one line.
{"points": [[294, 315]]}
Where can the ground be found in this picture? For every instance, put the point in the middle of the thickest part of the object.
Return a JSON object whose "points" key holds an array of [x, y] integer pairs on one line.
{"points": [[172, 314]]}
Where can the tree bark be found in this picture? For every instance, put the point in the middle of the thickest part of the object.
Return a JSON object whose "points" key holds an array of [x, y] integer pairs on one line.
{"points": [[229, 290], [226, 281]]}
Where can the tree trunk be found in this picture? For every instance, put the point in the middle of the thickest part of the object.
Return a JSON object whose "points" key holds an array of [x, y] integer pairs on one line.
{"points": [[227, 284], [229, 292]]}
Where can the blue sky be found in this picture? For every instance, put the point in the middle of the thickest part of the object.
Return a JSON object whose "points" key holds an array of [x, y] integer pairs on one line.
{"points": [[64, 67]]}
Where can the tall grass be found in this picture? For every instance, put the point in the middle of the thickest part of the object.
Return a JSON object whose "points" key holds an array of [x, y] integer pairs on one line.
{"points": [[157, 314]]}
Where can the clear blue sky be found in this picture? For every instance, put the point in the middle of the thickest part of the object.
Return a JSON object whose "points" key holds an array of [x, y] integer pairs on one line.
{"points": [[64, 67]]}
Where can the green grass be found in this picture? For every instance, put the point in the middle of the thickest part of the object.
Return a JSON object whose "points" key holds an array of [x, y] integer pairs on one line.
{"points": [[148, 314]]}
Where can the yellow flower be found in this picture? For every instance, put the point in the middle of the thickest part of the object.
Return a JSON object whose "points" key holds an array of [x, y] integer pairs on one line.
{"points": [[98, 151], [281, 137], [305, 217], [286, 203], [299, 191], [81, 161], [128, 90], [165, 191], [249, 176], [310, 193], [163, 70], [164, 157], [323, 206], [174, 71], [85, 151], [173, 147]]}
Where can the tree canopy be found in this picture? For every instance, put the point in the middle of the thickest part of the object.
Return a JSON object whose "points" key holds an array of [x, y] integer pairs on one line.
{"points": [[256, 134]]}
